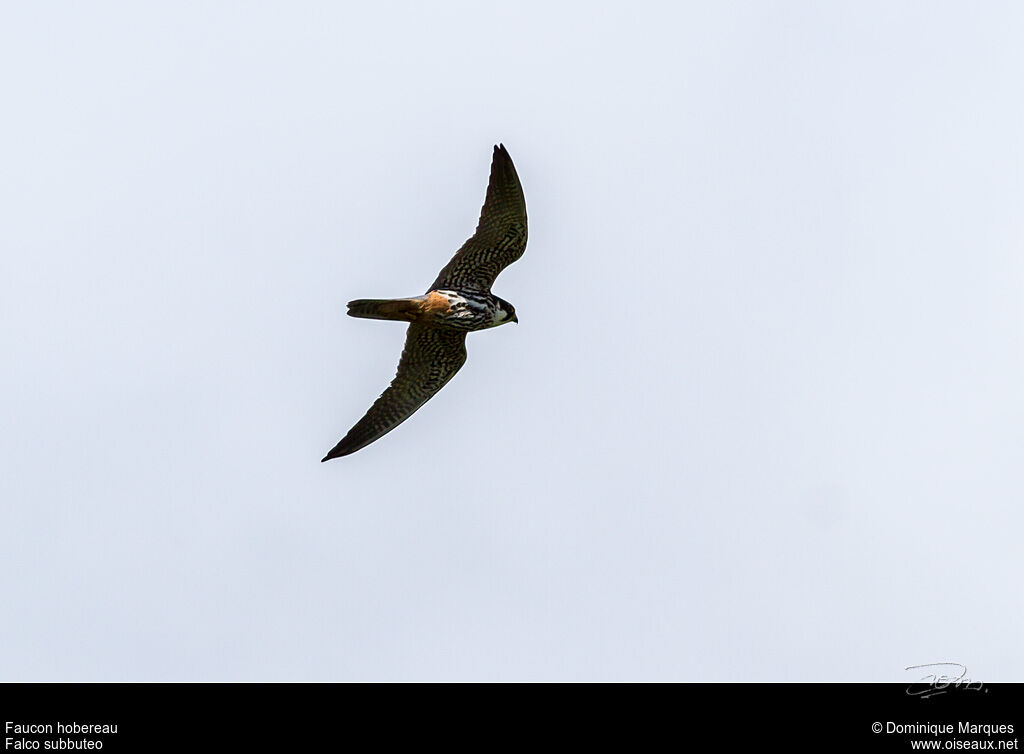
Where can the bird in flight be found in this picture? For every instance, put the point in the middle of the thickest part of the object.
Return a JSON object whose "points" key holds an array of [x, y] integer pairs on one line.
{"points": [[458, 302]]}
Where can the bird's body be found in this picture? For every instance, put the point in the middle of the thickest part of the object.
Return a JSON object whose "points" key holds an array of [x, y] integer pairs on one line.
{"points": [[466, 310], [459, 301]]}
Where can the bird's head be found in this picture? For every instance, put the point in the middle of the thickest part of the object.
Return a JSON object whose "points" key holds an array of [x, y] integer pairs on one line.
{"points": [[504, 312]]}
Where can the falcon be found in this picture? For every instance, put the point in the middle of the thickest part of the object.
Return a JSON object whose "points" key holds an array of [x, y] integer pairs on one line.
{"points": [[457, 303]]}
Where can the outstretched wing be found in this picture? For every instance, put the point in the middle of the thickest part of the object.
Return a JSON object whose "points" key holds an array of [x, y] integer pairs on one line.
{"points": [[430, 358], [500, 237]]}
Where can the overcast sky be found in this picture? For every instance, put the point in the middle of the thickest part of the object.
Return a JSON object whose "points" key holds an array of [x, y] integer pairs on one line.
{"points": [[763, 417]]}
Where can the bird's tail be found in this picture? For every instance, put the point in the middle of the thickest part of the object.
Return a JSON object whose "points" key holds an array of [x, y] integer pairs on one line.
{"points": [[403, 309]]}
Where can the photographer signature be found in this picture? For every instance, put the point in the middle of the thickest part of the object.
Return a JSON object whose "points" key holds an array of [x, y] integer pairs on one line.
{"points": [[936, 681]]}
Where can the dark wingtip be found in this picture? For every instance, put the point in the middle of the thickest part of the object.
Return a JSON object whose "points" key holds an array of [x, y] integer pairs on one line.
{"points": [[501, 157], [341, 449], [335, 453]]}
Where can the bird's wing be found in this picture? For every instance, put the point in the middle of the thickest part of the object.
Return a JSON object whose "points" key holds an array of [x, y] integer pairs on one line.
{"points": [[430, 358], [500, 237]]}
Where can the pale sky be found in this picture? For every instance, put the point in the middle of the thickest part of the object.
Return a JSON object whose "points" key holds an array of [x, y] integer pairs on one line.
{"points": [[762, 417]]}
